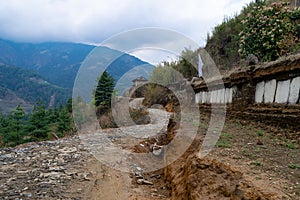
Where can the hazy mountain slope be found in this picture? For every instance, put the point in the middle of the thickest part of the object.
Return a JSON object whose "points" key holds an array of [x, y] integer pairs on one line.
{"points": [[26, 87], [59, 62]]}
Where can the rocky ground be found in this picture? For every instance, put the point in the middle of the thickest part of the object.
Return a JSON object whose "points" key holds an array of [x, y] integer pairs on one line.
{"points": [[250, 161]]}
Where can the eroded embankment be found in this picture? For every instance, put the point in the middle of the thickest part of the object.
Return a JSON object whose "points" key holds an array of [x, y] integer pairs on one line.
{"points": [[194, 178], [209, 179]]}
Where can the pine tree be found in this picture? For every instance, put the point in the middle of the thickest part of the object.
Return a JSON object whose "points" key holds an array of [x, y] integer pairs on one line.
{"points": [[3, 129], [64, 122], [15, 129], [39, 124], [104, 90]]}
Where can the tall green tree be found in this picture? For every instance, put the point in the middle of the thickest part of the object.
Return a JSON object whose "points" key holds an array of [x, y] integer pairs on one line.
{"points": [[64, 124], [104, 90], [39, 124], [15, 124]]}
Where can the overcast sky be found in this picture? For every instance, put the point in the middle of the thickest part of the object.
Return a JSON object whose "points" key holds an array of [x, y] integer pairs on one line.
{"points": [[93, 21]]}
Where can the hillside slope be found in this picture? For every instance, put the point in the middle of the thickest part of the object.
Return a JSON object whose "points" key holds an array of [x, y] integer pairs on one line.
{"points": [[59, 62], [25, 87]]}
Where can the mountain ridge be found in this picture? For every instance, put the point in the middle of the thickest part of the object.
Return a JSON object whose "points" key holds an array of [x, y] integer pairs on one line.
{"points": [[55, 64]]}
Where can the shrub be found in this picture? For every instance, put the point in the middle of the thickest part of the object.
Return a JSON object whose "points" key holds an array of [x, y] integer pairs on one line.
{"points": [[269, 30], [138, 116]]}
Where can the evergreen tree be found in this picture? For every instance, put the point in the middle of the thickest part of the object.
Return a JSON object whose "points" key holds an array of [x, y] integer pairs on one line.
{"points": [[39, 125], [64, 122], [15, 127], [69, 105], [104, 90], [3, 124], [3, 129], [52, 117]]}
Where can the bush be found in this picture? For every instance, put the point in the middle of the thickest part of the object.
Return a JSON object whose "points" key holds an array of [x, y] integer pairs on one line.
{"points": [[138, 116], [269, 30]]}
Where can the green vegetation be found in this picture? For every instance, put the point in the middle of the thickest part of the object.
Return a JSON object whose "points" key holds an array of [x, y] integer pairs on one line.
{"points": [[17, 127], [290, 146], [294, 166], [30, 86], [260, 133], [225, 140], [104, 90], [165, 74], [267, 29], [223, 143], [102, 100], [172, 72], [257, 163]]}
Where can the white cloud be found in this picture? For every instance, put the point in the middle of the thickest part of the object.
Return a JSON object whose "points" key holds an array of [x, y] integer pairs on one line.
{"points": [[96, 20]]}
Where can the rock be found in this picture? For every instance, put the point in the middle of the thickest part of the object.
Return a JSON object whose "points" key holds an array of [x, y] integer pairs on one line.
{"points": [[143, 182], [158, 176], [43, 170], [252, 59], [157, 150]]}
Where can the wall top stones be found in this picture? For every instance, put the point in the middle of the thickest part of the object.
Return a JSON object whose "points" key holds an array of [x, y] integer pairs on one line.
{"points": [[281, 69]]}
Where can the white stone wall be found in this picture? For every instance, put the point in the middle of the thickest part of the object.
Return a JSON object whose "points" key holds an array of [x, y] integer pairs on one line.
{"points": [[273, 91], [220, 96]]}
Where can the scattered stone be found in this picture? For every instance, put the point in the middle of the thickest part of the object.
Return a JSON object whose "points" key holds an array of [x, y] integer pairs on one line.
{"points": [[43, 170], [158, 176], [143, 182], [157, 150]]}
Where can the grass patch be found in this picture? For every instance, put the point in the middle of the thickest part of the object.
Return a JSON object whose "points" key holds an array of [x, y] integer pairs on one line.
{"points": [[294, 166], [224, 141], [223, 144], [290, 146], [248, 154], [260, 133], [227, 135]]}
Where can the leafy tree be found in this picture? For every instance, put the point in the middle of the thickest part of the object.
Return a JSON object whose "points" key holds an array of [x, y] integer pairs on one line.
{"points": [[187, 64], [165, 74], [104, 90], [224, 42], [269, 31]]}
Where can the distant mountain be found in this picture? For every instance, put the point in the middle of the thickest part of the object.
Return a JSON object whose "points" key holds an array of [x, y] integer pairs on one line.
{"points": [[25, 87], [48, 71], [59, 62]]}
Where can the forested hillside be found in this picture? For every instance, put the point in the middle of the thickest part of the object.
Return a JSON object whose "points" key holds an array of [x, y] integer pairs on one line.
{"points": [[56, 62], [266, 29], [20, 86]]}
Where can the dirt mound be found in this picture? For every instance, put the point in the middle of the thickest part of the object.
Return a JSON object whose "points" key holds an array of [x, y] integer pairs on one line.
{"points": [[210, 179]]}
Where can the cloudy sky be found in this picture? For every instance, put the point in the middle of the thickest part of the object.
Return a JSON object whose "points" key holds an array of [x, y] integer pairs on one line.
{"points": [[92, 21]]}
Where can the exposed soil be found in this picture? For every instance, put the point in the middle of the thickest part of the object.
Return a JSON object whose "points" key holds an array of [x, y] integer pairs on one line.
{"points": [[250, 161]]}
